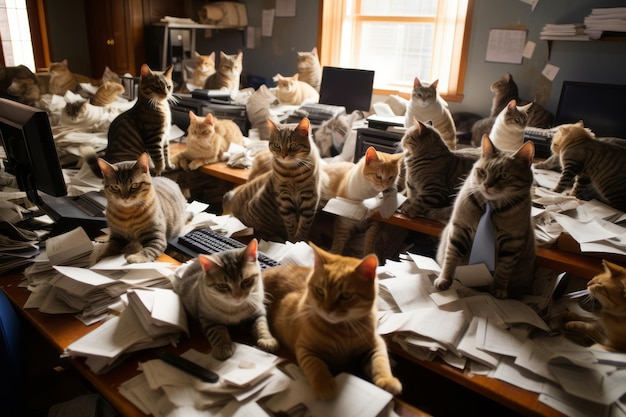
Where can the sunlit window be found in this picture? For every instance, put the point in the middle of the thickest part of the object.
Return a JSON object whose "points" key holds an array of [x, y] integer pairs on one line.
{"points": [[15, 34], [399, 40]]}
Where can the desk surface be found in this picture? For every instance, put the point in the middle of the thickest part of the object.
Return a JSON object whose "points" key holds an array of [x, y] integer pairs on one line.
{"points": [[63, 329]]}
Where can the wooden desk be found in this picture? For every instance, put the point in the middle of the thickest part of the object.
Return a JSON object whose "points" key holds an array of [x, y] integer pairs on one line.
{"points": [[62, 330], [579, 265]]}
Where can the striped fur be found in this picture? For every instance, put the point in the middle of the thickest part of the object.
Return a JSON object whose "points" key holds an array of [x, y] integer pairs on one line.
{"points": [[281, 204], [588, 161], [107, 93], [503, 178], [63, 80], [432, 173], [504, 90], [144, 127], [225, 289], [325, 316], [142, 213], [426, 105], [228, 73]]}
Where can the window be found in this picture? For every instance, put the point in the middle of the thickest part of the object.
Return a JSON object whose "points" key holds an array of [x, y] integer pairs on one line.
{"points": [[399, 40], [15, 34]]}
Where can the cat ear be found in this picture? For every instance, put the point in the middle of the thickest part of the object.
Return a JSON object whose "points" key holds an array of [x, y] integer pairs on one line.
{"points": [[512, 105], [370, 155], [487, 146], [580, 123], [145, 70], [105, 167], [416, 82], [526, 107], [209, 120], [192, 116], [212, 56], [277, 77], [143, 162], [367, 267], [434, 84], [304, 127], [295, 77], [207, 263], [168, 71], [270, 125], [526, 152], [196, 54], [251, 250], [615, 270], [240, 55]]}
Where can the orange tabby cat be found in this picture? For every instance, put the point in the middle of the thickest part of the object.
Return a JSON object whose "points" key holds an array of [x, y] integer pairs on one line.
{"points": [[609, 289], [107, 93], [204, 67], [62, 79], [326, 317]]}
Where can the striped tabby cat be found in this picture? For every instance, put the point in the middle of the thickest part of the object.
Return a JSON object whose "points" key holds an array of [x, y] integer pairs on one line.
{"points": [[502, 179], [107, 93], [225, 289], [142, 212], [145, 126], [207, 139], [427, 105], [228, 73], [325, 316], [586, 161], [375, 173], [430, 189], [609, 289], [507, 132], [309, 68], [504, 90], [280, 204]]}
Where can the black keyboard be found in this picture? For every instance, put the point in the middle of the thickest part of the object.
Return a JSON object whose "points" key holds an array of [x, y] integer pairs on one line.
{"points": [[209, 241], [542, 138]]}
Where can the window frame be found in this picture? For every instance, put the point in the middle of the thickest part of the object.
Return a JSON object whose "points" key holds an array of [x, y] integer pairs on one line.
{"points": [[329, 30]]}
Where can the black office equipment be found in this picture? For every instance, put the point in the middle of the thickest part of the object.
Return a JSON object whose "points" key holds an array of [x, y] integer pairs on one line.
{"points": [[381, 140], [188, 366], [32, 157], [598, 105], [347, 87], [208, 241]]}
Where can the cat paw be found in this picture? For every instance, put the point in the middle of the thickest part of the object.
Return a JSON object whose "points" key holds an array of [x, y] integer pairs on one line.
{"points": [[223, 352], [268, 344], [500, 293], [390, 384], [193, 165], [325, 391], [137, 258], [442, 283]]}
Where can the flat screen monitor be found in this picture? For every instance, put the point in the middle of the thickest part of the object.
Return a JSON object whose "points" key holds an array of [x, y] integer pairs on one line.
{"points": [[599, 106], [351, 88], [31, 156]]}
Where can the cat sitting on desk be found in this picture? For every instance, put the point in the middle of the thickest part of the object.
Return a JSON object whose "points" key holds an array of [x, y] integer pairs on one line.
{"points": [[290, 90]]}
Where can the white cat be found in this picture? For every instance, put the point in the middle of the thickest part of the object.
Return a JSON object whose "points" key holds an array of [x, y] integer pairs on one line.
{"points": [[508, 129]]}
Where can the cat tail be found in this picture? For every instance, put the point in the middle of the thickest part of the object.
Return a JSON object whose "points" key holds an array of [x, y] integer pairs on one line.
{"points": [[91, 159]]}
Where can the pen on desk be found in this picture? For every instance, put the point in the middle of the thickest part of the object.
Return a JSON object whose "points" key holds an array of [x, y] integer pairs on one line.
{"points": [[188, 366]]}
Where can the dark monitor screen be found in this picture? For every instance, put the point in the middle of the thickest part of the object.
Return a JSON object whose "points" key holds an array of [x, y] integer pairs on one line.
{"points": [[31, 153], [351, 88], [599, 106]]}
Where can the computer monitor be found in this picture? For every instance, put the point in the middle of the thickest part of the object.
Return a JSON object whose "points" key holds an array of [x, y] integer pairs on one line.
{"points": [[599, 106], [31, 156], [351, 88]]}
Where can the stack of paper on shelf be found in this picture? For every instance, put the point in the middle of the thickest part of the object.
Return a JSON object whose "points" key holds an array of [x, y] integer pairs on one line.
{"points": [[153, 318], [249, 384], [564, 32], [608, 19]]}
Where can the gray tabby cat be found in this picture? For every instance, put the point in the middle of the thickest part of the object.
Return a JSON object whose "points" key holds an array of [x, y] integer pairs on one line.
{"points": [[430, 189], [225, 289], [228, 73], [142, 212], [144, 127], [280, 204], [427, 105], [504, 90], [332, 134], [504, 180]]}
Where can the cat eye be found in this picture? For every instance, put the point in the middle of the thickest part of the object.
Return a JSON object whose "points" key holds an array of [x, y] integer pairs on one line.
{"points": [[134, 186], [319, 292], [222, 287], [293, 146], [115, 188], [480, 172], [504, 176], [276, 145], [345, 296]]}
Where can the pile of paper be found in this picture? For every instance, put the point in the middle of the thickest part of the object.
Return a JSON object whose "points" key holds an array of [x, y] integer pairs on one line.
{"points": [[564, 32], [517, 341], [153, 318], [17, 246], [608, 19], [250, 383]]}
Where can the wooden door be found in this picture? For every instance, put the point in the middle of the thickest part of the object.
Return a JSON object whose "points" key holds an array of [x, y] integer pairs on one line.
{"points": [[115, 30]]}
